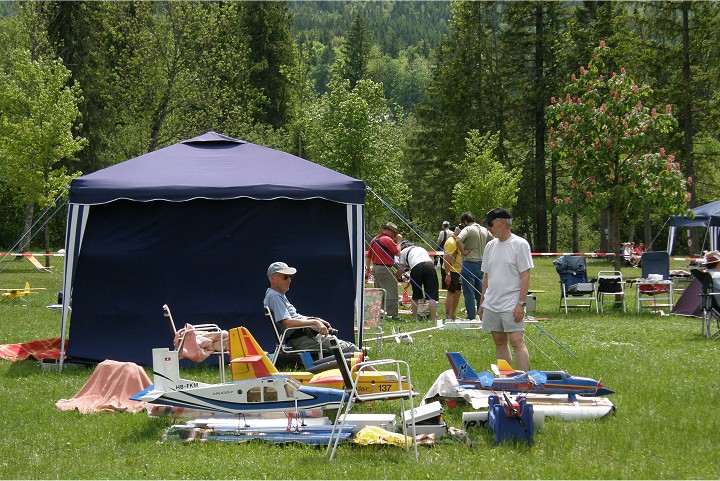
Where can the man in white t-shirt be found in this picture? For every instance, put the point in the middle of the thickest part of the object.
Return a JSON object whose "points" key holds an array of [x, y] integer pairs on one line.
{"points": [[506, 263]]}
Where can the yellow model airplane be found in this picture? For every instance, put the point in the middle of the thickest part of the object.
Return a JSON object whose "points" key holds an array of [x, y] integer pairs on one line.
{"points": [[248, 360], [20, 293]]}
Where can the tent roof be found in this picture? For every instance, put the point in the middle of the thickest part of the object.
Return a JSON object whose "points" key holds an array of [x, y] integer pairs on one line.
{"points": [[213, 166], [705, 215]]}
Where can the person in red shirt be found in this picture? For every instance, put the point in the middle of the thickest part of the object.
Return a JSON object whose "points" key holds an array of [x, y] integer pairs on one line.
{"points": [[380, 260]]}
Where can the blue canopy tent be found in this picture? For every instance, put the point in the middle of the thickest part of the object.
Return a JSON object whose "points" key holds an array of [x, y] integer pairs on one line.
{"points": [[195, 225], [707, 215]]}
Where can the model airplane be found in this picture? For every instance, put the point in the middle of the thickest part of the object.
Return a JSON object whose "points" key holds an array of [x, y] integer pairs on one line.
{"points": [[20, 293], [270, 393], [542, 382], [252, 362]]}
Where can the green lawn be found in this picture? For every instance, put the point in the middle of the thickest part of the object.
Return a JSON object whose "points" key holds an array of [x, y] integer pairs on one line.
{"points": [[662, 370]]}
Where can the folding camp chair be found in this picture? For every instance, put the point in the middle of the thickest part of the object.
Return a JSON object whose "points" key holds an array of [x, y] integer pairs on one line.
{"points": [[374, 313], [352, 395], [655, 284], [610, 283], [282, 339], [575, 289], [710, 306], [205, 328], [36, 263]]}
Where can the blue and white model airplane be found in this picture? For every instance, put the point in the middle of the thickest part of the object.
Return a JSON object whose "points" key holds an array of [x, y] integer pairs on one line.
{"points": [[542, 382], [271, 393]]}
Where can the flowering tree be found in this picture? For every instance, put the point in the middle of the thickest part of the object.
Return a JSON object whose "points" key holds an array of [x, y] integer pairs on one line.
{"points": [[610, 142]]}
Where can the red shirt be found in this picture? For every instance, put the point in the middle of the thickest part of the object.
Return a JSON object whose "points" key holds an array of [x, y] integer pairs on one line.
{"points": [[385, 252]]}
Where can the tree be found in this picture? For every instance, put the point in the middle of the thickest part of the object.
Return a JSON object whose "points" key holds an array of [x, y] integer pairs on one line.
{"points": [[267, 26], [38, 112], [351, 130], [611, 143], [356, 51], [486, 183]]}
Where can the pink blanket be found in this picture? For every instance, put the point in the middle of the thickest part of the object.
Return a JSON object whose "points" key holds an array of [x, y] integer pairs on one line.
{"points": [[198, 345], [109, 389], [40, 349]]}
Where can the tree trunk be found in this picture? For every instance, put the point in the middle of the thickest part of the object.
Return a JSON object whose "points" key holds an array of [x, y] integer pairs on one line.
{"points": [[29, 212], [541, 241], [615, 234], [575, 233], [688, 120], [47, 244], [648, 229]]}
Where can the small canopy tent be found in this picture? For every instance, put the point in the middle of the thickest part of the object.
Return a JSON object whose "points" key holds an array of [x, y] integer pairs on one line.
{"points": [[707, 215], [195, 225]]}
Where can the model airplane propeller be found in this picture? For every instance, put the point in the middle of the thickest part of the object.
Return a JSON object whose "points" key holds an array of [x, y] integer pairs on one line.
{"points": [[20, 293]]}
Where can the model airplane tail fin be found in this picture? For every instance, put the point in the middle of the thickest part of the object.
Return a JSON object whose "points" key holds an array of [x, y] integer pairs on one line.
{"points": [[460, 366], [27, 287], [504, 368], [248, 359], [166, 369]]}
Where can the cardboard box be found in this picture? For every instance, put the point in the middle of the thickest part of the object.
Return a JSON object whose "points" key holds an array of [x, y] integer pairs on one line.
{"points": [[385, 421], [428, 419]]}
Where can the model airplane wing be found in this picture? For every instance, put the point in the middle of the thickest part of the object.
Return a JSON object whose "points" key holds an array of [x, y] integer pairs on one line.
{"points": [[537, 378], [27, 288], [486, 379]]}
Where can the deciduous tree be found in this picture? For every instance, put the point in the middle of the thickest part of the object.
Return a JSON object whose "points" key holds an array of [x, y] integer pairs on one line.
{"points": [[612, 145], [351, 130]]}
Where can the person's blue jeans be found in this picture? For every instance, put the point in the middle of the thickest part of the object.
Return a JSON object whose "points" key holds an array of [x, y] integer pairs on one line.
{"points": [[472, 278]]}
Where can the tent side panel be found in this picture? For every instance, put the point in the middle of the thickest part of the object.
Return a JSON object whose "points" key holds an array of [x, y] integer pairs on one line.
{"points": [[208, 261]]}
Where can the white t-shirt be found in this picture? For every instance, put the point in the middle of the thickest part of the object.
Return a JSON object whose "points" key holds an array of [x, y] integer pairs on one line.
{"points": [[502, 264], [413, 255]]}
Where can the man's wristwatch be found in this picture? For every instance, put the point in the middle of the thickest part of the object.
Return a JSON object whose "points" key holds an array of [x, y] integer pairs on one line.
{"points": [[522, 303]]}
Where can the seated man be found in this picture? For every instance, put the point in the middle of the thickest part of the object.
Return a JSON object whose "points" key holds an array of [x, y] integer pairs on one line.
{"points": [[285, 314]]}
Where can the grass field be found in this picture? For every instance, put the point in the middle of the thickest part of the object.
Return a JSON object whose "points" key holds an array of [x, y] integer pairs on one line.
{"points": [[662, 369]]}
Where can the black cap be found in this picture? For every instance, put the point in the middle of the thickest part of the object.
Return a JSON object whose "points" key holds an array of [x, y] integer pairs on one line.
{"points": [[497, 213]]}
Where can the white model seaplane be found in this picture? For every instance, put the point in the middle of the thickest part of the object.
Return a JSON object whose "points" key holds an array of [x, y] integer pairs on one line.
{"points": [[271, 393], [20, 293]]}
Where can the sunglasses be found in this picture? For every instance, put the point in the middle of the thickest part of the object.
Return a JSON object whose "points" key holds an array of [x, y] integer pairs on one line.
{"points": [[287, 276]]}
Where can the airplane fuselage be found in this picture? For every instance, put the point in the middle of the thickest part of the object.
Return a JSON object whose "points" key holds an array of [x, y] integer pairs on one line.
{"points": [[274, 393], [558, 382]]}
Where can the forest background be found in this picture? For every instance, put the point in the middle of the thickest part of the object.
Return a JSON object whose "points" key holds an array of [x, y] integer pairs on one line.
{"points": [[440, 107]]}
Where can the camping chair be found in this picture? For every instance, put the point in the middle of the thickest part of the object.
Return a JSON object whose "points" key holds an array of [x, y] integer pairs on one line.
{"points": [[574, 285], [374, 313], [36, 263], [352, 395], [610, 283], [710, 306], [282, 339], [655, 283], [205, 328]]}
